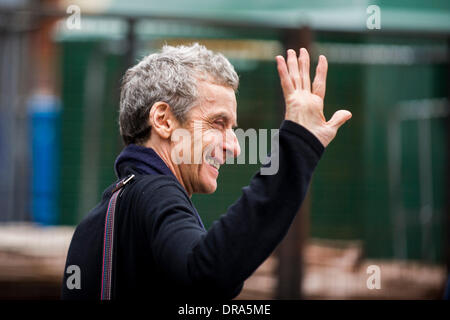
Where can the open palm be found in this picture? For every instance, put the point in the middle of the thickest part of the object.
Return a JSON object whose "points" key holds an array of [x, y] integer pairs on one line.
{"points": [[304, 105]]}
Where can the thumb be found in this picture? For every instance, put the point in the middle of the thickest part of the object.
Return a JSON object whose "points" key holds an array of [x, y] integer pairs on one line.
{"points": [[339, 118]]}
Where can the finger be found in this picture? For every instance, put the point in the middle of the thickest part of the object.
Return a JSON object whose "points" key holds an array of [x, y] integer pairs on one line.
{"points": [[286, 82], [303, 61], [339, 118], [293, 68], [320, 80]]}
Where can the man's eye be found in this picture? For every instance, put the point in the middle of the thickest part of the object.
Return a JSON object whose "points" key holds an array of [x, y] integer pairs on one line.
{"points": [[220, 123]]}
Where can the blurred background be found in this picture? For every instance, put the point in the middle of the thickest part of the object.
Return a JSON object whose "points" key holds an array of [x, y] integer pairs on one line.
{"points": [[380, 195]]}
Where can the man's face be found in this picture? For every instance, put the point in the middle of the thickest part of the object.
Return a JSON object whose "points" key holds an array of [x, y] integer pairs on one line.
{"points": [[210, 124]]}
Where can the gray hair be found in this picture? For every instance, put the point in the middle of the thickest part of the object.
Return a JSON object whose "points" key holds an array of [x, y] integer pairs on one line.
{"points": [[169, 76]]}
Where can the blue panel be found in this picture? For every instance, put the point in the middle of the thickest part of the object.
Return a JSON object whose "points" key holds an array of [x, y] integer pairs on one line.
{"points": [[44, 113]]}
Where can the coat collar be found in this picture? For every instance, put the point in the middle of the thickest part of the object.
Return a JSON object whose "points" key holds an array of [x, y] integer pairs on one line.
{"points": [[143, 159]]}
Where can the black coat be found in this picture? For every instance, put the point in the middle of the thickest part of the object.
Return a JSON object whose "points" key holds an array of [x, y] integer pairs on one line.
{"points": [[162, 248]]}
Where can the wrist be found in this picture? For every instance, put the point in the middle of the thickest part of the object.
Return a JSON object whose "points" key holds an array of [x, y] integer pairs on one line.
{"points": [[314, 130]]}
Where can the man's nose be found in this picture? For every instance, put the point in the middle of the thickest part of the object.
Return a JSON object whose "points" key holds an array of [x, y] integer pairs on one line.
{"points": [[231, 146]]}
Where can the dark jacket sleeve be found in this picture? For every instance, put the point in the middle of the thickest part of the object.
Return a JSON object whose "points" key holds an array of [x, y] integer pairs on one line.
{"points": [[218, 261]]}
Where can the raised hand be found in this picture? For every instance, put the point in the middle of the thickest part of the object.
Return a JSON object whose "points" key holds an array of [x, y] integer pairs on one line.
{"points": [[303, 105]]}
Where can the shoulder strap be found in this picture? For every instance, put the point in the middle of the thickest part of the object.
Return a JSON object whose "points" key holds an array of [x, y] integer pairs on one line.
{"points": [[108, 239]]}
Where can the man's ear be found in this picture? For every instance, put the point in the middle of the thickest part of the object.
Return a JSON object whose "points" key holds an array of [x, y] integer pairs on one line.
{"points": [[162, 120]]}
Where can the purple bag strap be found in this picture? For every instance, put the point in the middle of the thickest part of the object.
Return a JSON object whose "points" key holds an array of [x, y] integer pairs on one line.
{"points": [[108, 240]]}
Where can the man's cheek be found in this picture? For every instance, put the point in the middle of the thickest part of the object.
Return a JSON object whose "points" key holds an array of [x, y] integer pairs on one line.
{"points": [[213, 144], [197, 150]]}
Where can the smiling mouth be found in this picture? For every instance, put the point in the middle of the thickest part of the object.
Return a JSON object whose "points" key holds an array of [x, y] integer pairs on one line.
{"points": [[212, 162]]}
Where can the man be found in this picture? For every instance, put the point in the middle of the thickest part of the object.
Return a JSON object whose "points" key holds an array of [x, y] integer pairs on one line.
{"points": [[162, 249]]}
